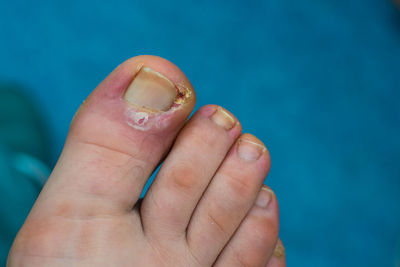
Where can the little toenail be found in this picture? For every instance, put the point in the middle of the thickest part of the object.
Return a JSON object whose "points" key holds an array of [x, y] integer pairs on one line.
{"points": [[279, 249], [249, 151], [151, 90], [223, 119], [264, 198]]}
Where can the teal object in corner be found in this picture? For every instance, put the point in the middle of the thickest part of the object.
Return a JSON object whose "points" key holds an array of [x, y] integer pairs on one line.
{"points": [[23, 151]]}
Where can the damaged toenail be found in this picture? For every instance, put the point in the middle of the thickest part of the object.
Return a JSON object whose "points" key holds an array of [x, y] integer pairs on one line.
{"points": [[264, 197], [279, 249], [223, 118], [249, 151], [153, 91]]}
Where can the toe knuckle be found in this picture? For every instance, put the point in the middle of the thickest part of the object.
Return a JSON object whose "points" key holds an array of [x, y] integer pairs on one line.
{"points": [[265, 231], [202, 136], [182, 177], [241, 260]]}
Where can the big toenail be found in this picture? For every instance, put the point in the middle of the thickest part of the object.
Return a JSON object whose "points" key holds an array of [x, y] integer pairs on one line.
{"points": [[223, 119], [151, 90], [249, 151], [264, 198]]}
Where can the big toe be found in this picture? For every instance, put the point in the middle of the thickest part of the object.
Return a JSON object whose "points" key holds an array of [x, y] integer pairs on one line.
{"points": [[118, 137]]}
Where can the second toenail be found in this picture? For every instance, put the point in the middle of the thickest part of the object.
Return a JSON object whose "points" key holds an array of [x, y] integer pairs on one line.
{"points": [[151, 90], [223, 119], [249, 151], [264, 197]]}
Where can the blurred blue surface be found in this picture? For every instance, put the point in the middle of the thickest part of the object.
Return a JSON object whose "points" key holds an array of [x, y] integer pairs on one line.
{"points": [[317, 81]]}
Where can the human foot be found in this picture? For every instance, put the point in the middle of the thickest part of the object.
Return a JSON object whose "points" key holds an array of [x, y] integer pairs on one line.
{"points": [[207, 206]]}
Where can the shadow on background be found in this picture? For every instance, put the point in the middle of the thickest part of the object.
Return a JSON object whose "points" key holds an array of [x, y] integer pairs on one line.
{"points": [[25, 149], [317, 81]]}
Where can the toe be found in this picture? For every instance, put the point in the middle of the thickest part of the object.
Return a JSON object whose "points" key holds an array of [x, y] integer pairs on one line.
{"points": [[254, 241], [196, 155], [118, 137], [228, 198], [278, 258]]}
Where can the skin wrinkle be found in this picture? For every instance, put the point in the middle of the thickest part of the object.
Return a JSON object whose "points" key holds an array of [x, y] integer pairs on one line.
{"points": [[156, 248], [108, 148], [150, 140], [108, 210], [239, 187], [197, 260], [42, 240], [215, 222], [129, 155], [132, 163], [239, 259]]}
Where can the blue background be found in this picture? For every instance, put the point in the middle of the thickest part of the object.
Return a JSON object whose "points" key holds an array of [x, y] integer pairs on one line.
{"points": [[317, 81]]}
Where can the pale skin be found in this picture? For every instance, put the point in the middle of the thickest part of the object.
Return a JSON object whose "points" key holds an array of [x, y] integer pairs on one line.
{"points": [[206, 207]]}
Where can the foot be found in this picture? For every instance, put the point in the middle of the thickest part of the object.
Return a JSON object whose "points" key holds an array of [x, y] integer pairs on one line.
{"points": [[206, 207]]}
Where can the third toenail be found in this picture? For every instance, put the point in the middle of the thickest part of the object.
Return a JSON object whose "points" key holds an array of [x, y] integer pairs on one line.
{"points": [[249, 150], [151, 90], [223, 119], [264, 197]]}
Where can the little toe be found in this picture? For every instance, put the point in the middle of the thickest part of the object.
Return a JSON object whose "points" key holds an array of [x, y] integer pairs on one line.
{"points": [[278, 258]]}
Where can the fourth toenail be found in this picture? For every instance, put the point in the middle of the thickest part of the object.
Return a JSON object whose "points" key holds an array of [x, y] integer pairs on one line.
{"points": [[223, 119], [264, 197], [151, 90], [249, 151]]}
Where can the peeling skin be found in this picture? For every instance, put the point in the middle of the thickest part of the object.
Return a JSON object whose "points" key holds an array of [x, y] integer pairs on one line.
{"points": [[145, 119], [182, 95], [139, 118]]}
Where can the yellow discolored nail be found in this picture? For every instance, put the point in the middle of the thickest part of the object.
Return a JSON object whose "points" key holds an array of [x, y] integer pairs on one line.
{"points": [[151, 90], [223, 118], [279, 249]]}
